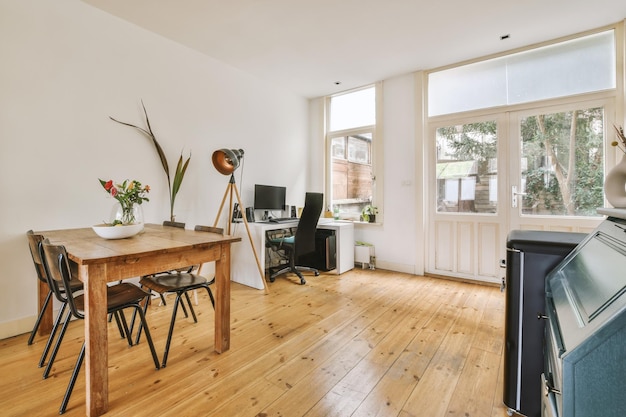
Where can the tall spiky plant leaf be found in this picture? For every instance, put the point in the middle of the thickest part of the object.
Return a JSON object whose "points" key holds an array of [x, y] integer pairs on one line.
{"points": [[159, 150], [180, 168], [156, 144], [178, 180]]}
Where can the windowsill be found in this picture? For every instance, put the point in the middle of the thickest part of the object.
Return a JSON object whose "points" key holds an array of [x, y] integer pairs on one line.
{"points": [[356, 222], [364, 223]]}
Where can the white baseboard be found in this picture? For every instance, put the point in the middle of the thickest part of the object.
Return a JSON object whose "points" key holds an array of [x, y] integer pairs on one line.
{"points": [[390, 266], [396, 267], [17, 327], [21, 326]]}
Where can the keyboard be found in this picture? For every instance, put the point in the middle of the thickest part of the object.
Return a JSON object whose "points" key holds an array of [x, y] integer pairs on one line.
{"points": [[283, 219]]}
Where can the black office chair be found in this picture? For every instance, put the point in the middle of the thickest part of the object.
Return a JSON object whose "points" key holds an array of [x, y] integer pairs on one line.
{"points": [[303, 242]]}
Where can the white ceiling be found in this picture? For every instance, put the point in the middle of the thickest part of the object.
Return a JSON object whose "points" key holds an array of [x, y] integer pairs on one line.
{"points": [[308, 45]]}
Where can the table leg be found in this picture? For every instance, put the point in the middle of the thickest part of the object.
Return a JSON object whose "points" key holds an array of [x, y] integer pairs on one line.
{"points": [[222, 300], [96, 354]]}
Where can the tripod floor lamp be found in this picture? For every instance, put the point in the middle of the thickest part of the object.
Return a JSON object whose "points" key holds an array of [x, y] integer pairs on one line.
{"points": [[226, 161]]}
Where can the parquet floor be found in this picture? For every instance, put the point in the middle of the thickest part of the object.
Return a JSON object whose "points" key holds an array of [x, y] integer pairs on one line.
{"points": [[366, 343]]}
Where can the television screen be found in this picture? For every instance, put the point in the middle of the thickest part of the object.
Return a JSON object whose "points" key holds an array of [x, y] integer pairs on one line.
{"points": [[269, 197]]}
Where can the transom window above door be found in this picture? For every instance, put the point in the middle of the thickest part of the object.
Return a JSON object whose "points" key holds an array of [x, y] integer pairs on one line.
{"points": [[576, 66]]}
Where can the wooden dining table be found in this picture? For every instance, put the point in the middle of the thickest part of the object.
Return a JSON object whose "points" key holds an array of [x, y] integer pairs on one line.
{"points": [[157, 248]]}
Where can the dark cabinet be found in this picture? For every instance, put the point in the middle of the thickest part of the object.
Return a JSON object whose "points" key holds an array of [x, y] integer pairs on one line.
{"points": [[531, 255]]}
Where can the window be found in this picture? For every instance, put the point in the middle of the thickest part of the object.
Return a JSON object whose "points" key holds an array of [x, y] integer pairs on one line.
{"points": [[467, 176], [351, 157], [353, 109], [577, 66], [562, 162]]}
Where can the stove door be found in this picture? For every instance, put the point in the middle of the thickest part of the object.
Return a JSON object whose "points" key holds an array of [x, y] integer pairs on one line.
{"points": [[548, 400], [552, 378]]}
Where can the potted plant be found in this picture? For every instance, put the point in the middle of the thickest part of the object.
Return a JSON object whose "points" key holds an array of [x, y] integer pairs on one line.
{"points": [[369, 213], [129, 194]]}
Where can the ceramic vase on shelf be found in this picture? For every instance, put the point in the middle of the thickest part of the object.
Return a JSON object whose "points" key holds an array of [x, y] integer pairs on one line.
{"points": [[615, 185], [127, 214]]}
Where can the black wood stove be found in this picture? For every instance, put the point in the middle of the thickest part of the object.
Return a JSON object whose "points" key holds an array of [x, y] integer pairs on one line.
{"points": [[585, 333]]}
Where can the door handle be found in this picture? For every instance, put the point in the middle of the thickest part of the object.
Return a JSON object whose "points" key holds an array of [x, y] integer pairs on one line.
{"points": [[514, 195]]}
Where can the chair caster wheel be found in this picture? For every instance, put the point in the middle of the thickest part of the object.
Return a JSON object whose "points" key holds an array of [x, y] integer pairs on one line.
{"points": [[317, 274], [302, 281]]}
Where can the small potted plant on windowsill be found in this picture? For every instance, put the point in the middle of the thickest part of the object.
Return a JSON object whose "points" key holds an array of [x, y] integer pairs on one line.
{"points": [[369, 213]]}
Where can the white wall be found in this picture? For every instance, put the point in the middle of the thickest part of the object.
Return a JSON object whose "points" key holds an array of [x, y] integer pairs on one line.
{"points": [[395, 239], [66, 67]]}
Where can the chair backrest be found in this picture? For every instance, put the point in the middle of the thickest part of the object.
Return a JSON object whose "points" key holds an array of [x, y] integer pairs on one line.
{"points": [[209, 229], [57, 266], [305, 235], [174, 224], [33, 243], [180, 225]]}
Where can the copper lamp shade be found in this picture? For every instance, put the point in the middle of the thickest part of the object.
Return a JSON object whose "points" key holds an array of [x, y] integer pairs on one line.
{"points": [[226, 161]]}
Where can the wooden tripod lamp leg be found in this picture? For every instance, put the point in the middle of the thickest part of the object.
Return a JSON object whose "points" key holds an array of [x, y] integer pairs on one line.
{"points": [[256, 256], [229, 191], [219, 212]]}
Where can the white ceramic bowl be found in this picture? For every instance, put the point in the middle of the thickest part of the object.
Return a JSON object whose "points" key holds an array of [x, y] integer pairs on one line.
{"points": [[117, 232]]}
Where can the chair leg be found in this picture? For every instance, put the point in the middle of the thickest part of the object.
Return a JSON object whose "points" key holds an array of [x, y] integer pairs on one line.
{"points": [[292, 266], [142, 319], [299, 274], [70, 386], [119, 324], [308, 269], [57, 345], [81, 355], [210, 296], [171, 331], [279, 272], [193, 313], [53, 332], [39, 317], [120, 317], [184, 310], [145, 310], [133, 319]]}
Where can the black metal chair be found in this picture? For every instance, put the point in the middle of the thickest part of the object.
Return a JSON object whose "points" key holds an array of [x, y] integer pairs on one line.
{"points": [[187, 269], [179, 283], [303, 242], [119, 297], [34, 241], [63, 316]]}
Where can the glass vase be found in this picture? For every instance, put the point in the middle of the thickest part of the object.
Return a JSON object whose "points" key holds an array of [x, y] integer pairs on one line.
{"points": [[127, 214], [615, 185]]}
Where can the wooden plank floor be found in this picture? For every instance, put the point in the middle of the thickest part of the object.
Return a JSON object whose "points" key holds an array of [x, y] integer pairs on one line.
{"points": [[366, 343]]}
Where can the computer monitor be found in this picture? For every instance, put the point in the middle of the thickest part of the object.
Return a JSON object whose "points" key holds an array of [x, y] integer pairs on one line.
{"points": [[269, 197]]}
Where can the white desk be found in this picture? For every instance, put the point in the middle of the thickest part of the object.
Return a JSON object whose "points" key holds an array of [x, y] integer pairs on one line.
{"points": [[243, 266]]}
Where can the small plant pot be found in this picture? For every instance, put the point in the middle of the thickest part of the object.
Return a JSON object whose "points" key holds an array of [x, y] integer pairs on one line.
{"points": [[372, 218]]}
